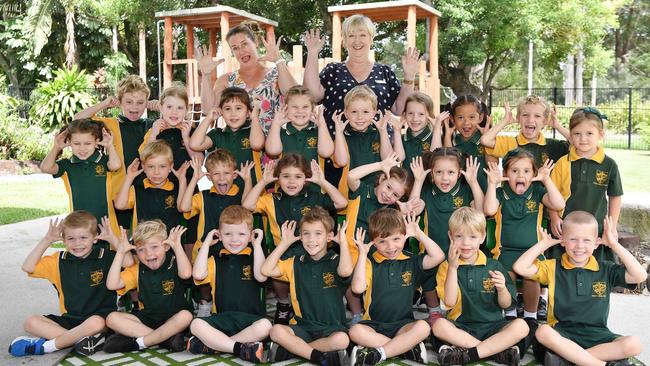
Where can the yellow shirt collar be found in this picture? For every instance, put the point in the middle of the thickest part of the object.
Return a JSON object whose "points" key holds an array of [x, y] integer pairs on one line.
{"points": [[598, 157], [522, 140], [380, 258], [245, 251], [481, 260], [591, 265], [234, 189], [168, 185]]}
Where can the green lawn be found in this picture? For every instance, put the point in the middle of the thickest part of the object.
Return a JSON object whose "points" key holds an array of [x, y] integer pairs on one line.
{"points": [[22, 200], [634, 167]]}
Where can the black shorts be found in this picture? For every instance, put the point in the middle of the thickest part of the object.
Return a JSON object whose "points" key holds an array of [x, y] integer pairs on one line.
{"points": [[69, 321], [387, 329], [309, 331], [153, 320]]}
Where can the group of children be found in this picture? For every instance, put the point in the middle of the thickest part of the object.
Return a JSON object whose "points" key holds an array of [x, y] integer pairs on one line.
{"points": [[436, 204]]}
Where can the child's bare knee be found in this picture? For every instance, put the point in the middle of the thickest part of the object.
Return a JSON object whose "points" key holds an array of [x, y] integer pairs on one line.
{"points": [[95, 323], [196, 325], [520, 327], [422, 327], [339, 340], [112, 319], [277, 331], [544, 334], [357, 331], [263, 325], [31, 323], [440, 326], [631, 346], [184, 317]]}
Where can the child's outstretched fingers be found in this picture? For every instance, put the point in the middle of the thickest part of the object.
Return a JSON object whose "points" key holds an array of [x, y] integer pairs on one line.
{"points": [[610, 236], [256, 237], [471, 169], [544, 171], [267, 175], [388, 163], [453, 255], [341, 230], [417, 168], [317, 176]]}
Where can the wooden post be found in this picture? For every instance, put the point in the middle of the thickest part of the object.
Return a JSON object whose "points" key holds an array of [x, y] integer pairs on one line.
{"points": [[422, 72], [212, 48], [297, 69], [189, 35], [142, 56], [167, 49], [336, 36], [225, 50], [411, 26], [434, 80]]}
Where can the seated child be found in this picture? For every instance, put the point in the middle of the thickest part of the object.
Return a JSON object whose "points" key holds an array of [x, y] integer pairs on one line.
{"points": [[579, 287], [231, 269], [388, 279], [475, 289], [318, 280], [78, 274], [159, 277]]}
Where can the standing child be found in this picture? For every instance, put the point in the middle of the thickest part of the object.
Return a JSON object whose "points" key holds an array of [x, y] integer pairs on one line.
{"points": [[300, 135], [587, 178], [87, 174], [579, 286], [78, 275], [475, 289], [160, 279], [442, 195], [295, 197], [388, 279], [232, 270], [318, 280]]}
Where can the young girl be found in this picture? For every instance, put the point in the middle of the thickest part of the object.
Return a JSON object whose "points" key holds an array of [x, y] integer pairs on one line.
{"points": [[292, 200], [87, 173], [310, 139], [533, 113], [442, 194], [587, 178], [518, 209]]}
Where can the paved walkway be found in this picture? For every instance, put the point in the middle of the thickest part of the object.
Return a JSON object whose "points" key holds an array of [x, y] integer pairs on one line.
{"points": [[23, 296]]}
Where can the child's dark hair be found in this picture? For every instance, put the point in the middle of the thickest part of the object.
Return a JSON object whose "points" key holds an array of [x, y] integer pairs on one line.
{"points": [[84, 125], [429, 159], [385, 222], [299, 90], [236, 93], [292, 160], [517, 154], [318, 214], [590, 114], [402, 176], [466, 99]]}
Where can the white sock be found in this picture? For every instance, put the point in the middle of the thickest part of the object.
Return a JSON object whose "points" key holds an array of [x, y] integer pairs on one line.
{"points": [[544, 295], [437, 309], [283, 301], [530, 315], [49, 346], [140, 342], [511, 312], [382, 353]]}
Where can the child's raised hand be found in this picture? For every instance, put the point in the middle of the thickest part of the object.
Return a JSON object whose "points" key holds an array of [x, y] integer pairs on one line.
{"points": [[186, 129], [498, 279], [54, 231], [133, 170], [123, 244], [213, 115], [341, 230], [281, 115], [317, 175], [174, 238], [552, 120], [471, 169], [180, 173], [411, 207], [339, 125], [111, 102], [313, 41], [197, 167], [212, 238], [107, 139], [442, 118], [453, 256], [288, 232], [267, 175], [245, 169], [359, 238], [544, 172], [319, 117], [546, 239], [417, 168], [153, 105], [256, 238], [60, 140], [382, 123], [610, 234], [556, 225], [507, 117], [158, 126], [412, 223], [494, 175], [396, 122], [205, 62], [106, 232], [388, 163]]}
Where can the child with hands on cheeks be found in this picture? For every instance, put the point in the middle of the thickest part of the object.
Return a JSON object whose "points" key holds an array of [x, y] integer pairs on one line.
{"points": [[475, 289], [387, 279], [160, 279], [318, 280], [229, 267], [579, 300]]}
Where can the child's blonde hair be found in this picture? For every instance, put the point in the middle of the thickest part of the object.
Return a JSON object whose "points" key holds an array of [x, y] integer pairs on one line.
{"points": [[132, 84], [579, 218], [421, 98], [385, 222], [358, 21], [587, 114], [156, 148], [80, 219], [297, 91], [467, 218], [362, 92], [534, 99], [178, 90], [235, 215], [147, 230], [220, 156], [318, 214]]}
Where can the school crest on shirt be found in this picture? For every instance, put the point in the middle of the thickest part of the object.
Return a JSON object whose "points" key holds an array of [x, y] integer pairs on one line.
{"points": [[601, 177], [246, 272], [481, 149], [458, 201], [328, 280], [245, 143], [426, 145], [375, 147], [488, 285], [100, 170], [170, 201], [407, 278], [544, 157], [599, 289], [531, 206], [168, 287], [312, 142], [96, 277], [305, 210]]}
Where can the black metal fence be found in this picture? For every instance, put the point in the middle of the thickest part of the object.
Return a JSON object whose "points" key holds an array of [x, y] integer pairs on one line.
{"points": [[627, 109]]}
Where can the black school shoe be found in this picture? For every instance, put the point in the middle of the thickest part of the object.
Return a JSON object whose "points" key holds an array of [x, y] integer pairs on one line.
{"points": [[252, 352], [175, 343], [88, 346], [283, 313], [119, 343], [334, 358], [553, 359], [542, 311], [509, 356], [196, 346], [364, 356], [417, 354], [452, 355], [277, 353]]}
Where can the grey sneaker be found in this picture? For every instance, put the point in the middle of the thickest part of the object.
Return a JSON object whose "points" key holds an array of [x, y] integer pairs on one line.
{"points": [[277, 353], [509, 356], [204, 310], [452, 355]]}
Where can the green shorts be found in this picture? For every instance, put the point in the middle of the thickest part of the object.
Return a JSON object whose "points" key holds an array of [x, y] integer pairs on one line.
{"points": [[69, 321], [482, 331], [231, 322], [311, 331], [387, 329], [586, 336], [429, 281], [151, 319]]}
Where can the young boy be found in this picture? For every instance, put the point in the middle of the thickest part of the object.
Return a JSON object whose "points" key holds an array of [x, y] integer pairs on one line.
{"points": [[318, 280], [475, 289], [159, 277], [232, 270], [78, 274], [388, 280], [579, 287]]}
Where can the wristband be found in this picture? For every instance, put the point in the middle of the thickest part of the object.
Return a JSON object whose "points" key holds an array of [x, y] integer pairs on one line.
{"points": [[408, 82]]}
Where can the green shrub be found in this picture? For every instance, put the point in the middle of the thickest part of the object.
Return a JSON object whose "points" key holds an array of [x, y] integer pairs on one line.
{"points": [[56, 101], [19, 140], [116, 66]]}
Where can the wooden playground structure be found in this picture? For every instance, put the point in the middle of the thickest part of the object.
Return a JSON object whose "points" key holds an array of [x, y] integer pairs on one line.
{"points": [[219, 19]]}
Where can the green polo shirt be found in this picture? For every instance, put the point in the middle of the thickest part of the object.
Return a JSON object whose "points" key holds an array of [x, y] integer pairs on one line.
{"points": [[88, 184], [150, 203], [477, 300], [438, 207], [303, 142], [518, 217], [586, 183], [233, 283], [472, 147], [317, 290], [161, 292], [237, 143], [542, 149], [79, 282], [415, 145], [573, 290], [363, 148], [391, 284]]}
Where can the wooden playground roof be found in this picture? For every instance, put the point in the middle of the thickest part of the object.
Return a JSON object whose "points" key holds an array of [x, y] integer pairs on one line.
{"points": [[211, 17], [386, 10]]}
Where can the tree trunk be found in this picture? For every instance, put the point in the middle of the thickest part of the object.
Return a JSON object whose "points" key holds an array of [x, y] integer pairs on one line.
{"points": [[70, 46], [321, 5], [458, 80]]}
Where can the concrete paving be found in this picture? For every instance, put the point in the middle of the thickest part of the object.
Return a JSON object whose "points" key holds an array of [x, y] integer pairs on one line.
{"points": [[22, 295]]}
